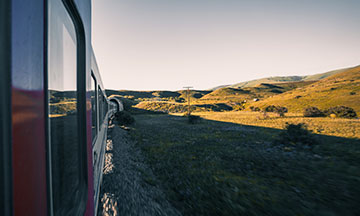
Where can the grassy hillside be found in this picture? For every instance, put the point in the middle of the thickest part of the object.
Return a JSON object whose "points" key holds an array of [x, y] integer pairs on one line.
{"points": [[143, 94], [229, 94], [281, 79], [194, 94], [262, 90], [256, 82], [339, 89], [324, 75]]}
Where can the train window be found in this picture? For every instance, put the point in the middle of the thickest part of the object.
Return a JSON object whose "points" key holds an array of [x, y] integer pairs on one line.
{"points": [[66, 161], [94, 99]]}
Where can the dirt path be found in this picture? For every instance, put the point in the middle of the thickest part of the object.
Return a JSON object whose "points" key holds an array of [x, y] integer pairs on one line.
{"points": [[129, 186]]}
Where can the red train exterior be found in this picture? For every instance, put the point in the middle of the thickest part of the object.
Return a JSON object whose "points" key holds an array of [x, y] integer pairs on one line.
{"points": [[34, 170]]}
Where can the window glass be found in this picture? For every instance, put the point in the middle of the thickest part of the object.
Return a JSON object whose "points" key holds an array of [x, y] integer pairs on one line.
{"points": [[93, 107], [63, 112], [105, 106], [100, 105]]}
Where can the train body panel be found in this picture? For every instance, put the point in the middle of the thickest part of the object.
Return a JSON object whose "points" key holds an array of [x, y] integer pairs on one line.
{"points": [[99, 126], [28, 113]]}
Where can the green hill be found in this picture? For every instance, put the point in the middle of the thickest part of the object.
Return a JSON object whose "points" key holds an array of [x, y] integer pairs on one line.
{"points": [[341, 88]]}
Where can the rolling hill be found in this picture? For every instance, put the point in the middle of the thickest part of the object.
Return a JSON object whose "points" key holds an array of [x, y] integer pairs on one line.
{"points": [[340, 88], [262, 90], [281, 79], [334, 88]]}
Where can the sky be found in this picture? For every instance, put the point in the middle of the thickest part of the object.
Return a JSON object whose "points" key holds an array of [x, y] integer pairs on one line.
{"points": [[169, 44]]}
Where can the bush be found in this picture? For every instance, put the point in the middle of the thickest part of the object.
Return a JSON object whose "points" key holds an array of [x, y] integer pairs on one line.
{"points": [[124, 118], [297, 135], [281, 110], [127, 103], [277, 109], [179, 100], [270, 108], [238, 106], [255, 109], [341, 112], [313, 112], [193, 119]]}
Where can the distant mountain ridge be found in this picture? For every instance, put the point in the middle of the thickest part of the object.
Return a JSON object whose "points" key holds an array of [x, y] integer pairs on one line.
{"points": [[280, 79]]}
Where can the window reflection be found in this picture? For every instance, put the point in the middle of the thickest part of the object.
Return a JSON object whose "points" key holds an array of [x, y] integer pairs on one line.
{"points": [[93, 107], [63, 115], [100, 105]]}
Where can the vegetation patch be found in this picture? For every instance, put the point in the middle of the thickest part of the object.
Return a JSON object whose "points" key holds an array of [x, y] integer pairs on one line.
{"points": [[341, 112], [276, 109], [255, 109], [313, 112], [297, 135], [124, 118], [193, 119]]}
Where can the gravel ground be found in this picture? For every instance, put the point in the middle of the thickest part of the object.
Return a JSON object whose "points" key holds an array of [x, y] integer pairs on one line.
{"points": [[129, 187]]}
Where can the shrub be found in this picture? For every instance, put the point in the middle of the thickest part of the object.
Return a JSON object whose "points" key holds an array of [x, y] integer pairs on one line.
{"points": [[238, 107], [313, 112], [127, 103], [277, 109], [179, 100], [254, 109], [270, 108], [193, 119], [281, 110], [341, 112], [297, 135], [124, 118]]}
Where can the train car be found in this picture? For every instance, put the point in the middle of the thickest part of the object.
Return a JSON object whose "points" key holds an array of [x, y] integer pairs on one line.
{"points": [[54, 111], [115, 105]]}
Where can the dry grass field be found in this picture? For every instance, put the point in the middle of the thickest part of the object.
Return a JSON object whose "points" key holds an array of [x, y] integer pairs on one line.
{"points": [[348, 128]]}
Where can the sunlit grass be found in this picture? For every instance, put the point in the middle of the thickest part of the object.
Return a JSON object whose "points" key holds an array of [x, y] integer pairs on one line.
{"points": [[349, 128]]}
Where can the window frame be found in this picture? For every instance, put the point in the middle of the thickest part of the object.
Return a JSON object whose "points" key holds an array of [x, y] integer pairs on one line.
{"points": [[6, 183]]}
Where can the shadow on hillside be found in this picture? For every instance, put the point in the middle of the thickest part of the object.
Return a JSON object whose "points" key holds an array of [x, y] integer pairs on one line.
{"points": [[221, 168]]}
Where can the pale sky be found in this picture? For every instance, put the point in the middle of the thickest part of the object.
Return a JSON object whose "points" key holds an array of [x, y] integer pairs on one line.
{"points": [[169, 44]]}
